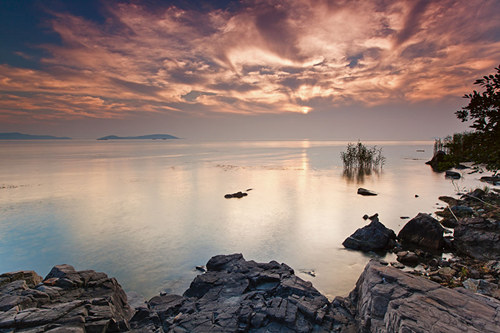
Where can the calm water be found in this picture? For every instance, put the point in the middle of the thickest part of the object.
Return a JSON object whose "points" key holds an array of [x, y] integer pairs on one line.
{"points": [[148, 212]]}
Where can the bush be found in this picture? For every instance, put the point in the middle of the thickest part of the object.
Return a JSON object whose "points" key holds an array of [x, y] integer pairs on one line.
{"points": [[362, 158]]}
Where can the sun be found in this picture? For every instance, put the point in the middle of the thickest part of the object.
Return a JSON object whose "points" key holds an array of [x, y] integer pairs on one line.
{"points": [[306, 109]]}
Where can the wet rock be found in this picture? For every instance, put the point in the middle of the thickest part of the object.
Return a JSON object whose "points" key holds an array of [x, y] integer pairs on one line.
{"points": [[30, 277], [449, 200], [238, 195], [365, 192], [423, 231], [372, 237], [389, 300], [452, 174]]}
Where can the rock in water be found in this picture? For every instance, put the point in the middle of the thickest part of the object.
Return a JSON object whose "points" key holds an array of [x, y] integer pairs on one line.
{"points": [[436, 160], [236, 295], [372, 237], [364, 191], [423, 231], [452, 174], [389, 300], [236, 195]]}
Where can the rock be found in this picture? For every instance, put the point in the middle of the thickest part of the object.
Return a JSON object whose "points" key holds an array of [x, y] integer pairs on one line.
{"points": [[236, 195], [423, 231], [492, 180], [237, 295], [75, 301], [390, 300], [447, 273], [372, 237], [462, 211], [452, 174], [449, 222], [364, 191], [408, 258], [449, 200], [438, 158], [482, 287], [478, 237], [30, 277], [461, 167]]}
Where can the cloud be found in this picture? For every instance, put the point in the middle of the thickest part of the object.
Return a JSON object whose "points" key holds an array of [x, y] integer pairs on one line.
{"points": [[263, 56]]}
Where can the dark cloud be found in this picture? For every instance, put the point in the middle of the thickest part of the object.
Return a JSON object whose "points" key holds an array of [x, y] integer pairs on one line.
{"points": [[412, 23]]}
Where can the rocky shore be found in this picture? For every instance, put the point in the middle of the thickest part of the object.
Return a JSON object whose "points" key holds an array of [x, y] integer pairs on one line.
{"points": [[235, 295]]}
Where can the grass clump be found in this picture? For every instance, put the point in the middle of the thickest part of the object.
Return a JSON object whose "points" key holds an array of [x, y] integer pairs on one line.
{"points": [[361, 158]]}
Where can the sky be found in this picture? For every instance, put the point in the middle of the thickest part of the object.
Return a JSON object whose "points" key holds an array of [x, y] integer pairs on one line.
{"points": [[248, 69]]}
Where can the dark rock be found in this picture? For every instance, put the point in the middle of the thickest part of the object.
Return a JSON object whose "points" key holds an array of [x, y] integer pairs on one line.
{"points": [[236, 195], [364, 191], [478, 237], [462, 211], [461, 167], [423, 231], [390, 300], [449, 222], [365, 217], [452, 174], [408, 258], [436, 160], [372, 237], [85, 301], [492, 180], [449, 200]]}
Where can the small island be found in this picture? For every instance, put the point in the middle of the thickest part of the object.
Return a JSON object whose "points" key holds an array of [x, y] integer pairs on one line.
{"points": [[141, 137], [21, 136]]}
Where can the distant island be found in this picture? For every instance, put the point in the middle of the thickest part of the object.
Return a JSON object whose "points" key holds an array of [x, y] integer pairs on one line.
{"points": [[142, 137], [21, 136]]}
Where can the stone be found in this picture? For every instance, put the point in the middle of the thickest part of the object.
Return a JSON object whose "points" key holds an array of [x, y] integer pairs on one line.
{"points": [[478, 238], [390, 300], [482, 287], [462, 211], [238, 195], [71, 300], [30, 277], [365, 192], [372, 237], [452, 174], [438, 158], [408, 258], [423, 231]]}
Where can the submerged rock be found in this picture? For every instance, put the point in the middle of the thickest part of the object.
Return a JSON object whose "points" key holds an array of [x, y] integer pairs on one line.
{"points": [[372, 237], [423, 231]]}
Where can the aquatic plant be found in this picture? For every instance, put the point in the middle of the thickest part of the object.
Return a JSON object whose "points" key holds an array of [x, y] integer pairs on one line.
{"points": [[361, 158]]}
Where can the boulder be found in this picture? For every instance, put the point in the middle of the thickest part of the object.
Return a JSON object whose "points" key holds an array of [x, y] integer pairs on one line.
{"points": [[236, 295], [372, 237], [389, 300], [423, 231], [72, 301], [364, 191], [478, 237], [438, 158]]}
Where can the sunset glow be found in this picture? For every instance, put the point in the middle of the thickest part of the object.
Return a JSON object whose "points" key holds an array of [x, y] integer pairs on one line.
{"points": [[251, 58]]}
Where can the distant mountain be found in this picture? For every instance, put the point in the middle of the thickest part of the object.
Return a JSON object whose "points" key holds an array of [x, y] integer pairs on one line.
{"points": [[21, 136], [142, 137]]}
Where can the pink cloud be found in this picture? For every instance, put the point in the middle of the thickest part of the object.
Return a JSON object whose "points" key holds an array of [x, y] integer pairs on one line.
{"points": [[265, 57]]}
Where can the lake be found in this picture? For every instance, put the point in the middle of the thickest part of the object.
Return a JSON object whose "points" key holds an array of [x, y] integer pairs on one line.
{"points": [[148, 212]]}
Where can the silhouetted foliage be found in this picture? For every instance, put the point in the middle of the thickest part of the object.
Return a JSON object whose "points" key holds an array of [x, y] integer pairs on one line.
{"points": [[482, 145]]}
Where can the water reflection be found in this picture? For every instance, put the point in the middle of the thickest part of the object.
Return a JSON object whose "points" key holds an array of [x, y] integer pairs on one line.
{"points": [[149, 212], [358, 175]]}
